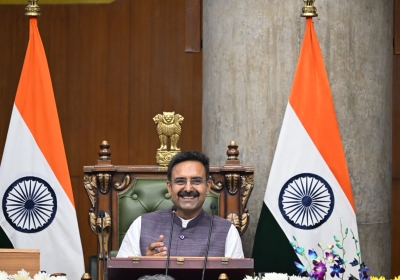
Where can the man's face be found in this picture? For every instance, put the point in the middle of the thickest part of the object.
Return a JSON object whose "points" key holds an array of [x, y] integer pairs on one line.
{"points": [[188, 188]]}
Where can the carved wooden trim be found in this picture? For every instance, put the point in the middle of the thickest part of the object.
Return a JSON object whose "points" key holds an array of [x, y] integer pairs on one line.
{"points": [[216, 186], [246, 189], [232, 180], [234, 219], [106, 230], [92, 220], [90, 184], [244, 221], [104, 180], [122, 185]]}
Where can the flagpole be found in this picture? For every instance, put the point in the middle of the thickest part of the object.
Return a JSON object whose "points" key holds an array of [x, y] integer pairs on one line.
{"points": [[32, 9], [309, 10], [34, 169]]}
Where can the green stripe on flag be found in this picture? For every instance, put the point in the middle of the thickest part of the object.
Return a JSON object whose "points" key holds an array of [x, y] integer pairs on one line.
{"points": [[4, 241], [272, 251]]}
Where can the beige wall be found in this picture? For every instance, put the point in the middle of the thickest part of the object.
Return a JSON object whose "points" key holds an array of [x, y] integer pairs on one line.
{"points": [[250, 51]]}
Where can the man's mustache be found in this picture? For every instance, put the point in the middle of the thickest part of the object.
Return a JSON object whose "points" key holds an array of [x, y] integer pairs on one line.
{"points": [[193, 193]]}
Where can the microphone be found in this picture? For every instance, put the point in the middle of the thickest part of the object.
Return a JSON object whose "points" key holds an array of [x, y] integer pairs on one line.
{"points": [[213, 207], [173, 211], [102, 214]]}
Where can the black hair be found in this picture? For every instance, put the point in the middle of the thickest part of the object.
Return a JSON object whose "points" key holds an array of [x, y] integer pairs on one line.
{"points": [[189, 156], [156, 277]]}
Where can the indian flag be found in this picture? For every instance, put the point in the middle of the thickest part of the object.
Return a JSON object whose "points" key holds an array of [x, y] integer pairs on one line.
{"points": [[38, 210], [308, 199]]}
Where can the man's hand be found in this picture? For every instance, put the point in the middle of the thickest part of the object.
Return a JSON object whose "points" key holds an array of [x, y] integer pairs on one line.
{"points": [[157, 248]]}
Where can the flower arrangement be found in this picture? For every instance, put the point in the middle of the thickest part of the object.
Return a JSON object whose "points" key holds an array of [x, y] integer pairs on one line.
{"points": [[24, 275], [332, 257], [278, 276], [382, 278], [282, 276], [317, 267]]}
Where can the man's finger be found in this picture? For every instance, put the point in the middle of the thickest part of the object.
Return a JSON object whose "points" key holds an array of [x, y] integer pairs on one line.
{"points": [[160, 251], [160, 238], [157, 248]]}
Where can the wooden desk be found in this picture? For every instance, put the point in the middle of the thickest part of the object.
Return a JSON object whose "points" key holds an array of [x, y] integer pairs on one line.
{"points": [[189, 268], [14, 260]]}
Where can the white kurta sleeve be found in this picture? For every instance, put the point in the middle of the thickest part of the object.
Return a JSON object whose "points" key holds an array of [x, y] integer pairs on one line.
{"points": [[233, 244], [131, 244]]}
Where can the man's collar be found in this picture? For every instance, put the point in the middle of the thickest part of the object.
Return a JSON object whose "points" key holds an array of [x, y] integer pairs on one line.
{"points": [[193, 222]]}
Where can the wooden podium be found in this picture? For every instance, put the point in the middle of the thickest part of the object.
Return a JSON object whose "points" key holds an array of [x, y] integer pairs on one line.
{"points": [[179, 267]]}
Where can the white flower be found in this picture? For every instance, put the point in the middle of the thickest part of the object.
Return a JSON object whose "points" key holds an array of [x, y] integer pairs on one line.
{"points": [[24, 275], [250, 278], [3, 275], [40, 276], [275, 276], [21, 275], [294, 277]]}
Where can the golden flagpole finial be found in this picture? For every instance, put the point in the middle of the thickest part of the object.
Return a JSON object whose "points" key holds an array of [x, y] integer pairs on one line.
{"points": [[32, 9], [309, 10]]}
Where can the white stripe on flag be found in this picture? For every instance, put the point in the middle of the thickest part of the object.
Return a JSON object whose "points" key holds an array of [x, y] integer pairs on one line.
{"points": [[58, 243], [296, 154]]}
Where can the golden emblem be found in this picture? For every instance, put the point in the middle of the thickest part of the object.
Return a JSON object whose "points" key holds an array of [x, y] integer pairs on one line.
{"points": [[168, 126]]}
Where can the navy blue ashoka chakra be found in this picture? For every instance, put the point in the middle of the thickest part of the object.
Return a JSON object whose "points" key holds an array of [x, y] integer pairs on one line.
{"points": [[29, 204], [306, 201]]}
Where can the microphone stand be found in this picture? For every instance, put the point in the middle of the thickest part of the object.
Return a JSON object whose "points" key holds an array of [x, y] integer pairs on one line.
{"points": [[213, 207], [102, 214], [170, 238]]}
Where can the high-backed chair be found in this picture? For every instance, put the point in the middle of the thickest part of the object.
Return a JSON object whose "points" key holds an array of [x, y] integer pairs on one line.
{"points": [[124, 192]]}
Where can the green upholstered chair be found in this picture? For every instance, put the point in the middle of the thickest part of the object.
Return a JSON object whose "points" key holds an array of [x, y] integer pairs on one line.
{"points": [[125, 192], [143, 196]]}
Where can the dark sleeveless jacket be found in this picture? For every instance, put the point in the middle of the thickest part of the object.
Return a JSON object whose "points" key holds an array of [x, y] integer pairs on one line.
{"points": [[190, 241]]}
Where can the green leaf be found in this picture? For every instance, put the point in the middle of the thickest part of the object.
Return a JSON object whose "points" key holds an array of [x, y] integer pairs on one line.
{"points": [[299, 250], [358, 252], [336, 239], [339, 246], [292, 244]]}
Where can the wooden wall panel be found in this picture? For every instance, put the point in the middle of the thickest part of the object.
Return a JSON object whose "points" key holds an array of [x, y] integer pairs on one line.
{"points": [[395, 230], [193, 25], [114, 67], [173, 80], [396, 27], [395, 211], [13, 43]]}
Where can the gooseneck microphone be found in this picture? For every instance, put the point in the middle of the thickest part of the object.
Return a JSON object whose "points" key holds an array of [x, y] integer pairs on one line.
{"points": [[213, 207], [173, 211], [102, 214]]}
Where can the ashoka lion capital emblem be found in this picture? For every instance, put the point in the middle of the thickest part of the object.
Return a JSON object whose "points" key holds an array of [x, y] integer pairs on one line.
{"points": [[168, 126]]}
